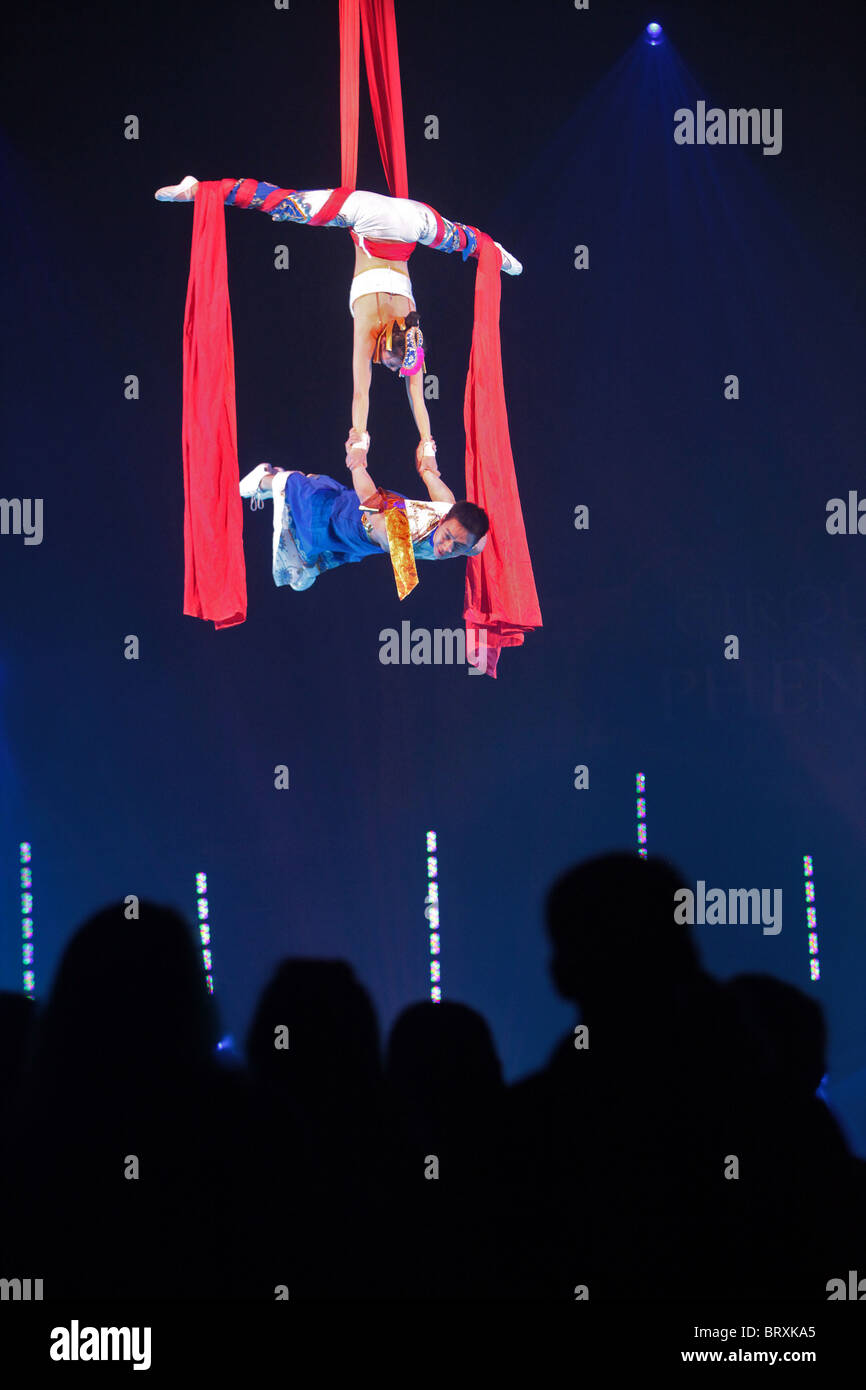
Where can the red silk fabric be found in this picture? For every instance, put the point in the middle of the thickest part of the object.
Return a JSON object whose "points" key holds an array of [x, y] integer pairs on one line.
{"points": [[350, 56], [330, 207], [383, 78], [245, 194], [215, 586], [500, 595], [386, 250]]}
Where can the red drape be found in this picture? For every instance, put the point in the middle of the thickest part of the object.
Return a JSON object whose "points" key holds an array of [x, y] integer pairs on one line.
{"points": [[350, 52], [214, 573], [500, 589], [383, 77]]}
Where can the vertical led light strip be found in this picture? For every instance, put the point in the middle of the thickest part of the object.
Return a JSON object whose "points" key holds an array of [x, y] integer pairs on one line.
{"points": [[811, 919], [204, 928], [640, 808], [28, 977], [431, 912]]}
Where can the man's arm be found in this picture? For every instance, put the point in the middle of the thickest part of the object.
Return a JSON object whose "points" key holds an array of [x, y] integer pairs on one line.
{"points": [[425, 462], [356, 461]]}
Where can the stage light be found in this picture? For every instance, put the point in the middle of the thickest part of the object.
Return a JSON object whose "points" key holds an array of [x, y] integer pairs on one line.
{"points": [[431, 912], [28, 974], [203, 914], [811, 917], [640, 810], [654, 33]]}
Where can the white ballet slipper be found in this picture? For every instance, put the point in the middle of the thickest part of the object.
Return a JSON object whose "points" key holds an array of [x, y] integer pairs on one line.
{"points": [[250, 486], [177, 192], [510, 264]]}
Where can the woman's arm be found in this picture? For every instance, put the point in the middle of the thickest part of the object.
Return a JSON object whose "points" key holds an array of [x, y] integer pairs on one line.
{"points": [[362, 371], [426, 465], [416, 400]]}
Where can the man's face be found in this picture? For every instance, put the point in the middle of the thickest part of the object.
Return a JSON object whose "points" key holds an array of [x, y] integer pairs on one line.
{"points": [[450, 539]]}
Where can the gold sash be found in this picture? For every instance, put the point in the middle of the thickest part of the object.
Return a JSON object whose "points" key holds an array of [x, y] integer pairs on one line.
{"points": [[406, 522]]}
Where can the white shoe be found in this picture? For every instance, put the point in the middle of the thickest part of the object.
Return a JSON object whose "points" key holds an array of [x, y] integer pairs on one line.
{"points": [[510, 264], [250, 486], [178, 192]]}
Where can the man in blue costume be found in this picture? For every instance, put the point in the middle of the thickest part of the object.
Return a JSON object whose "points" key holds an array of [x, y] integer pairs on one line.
{"points": [[319, 524]]}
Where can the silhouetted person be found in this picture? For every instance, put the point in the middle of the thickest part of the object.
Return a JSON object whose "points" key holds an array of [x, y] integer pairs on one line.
{"points": [[616, 1145], [141, 1145], [445, 1085], [314, 1042], [799, 1204]]}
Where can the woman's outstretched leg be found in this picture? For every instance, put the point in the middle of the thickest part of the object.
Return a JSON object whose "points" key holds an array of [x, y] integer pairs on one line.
{"points": [[281, 204]]}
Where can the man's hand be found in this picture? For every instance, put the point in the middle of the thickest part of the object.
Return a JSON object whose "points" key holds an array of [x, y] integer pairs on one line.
{"points": [[357, 448], [356, 460], [425, 462], [425, 457]]}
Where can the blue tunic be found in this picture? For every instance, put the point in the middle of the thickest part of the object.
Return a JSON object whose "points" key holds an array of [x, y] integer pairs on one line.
{"points": [[324, 519]]}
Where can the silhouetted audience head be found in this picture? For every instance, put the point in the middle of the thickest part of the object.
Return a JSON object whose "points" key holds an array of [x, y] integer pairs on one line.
{"points": [[611, 923], [129, 999], [785, 1034], [315, 1034], [443, 1050], [444, 1082]]}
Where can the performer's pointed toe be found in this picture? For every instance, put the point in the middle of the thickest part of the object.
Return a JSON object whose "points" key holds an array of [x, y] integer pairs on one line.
{"points": [[177, 192], [510, 264], [251, 487]]}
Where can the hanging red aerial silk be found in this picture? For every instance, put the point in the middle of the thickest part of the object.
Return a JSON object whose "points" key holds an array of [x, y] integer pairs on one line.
{"points": [[350, 53], [215, 585], [500, 589], [383, 79], [386, 98]]}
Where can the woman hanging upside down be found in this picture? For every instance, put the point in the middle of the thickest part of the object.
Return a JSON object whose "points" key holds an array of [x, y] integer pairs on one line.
{"points": [[385, 232], [319, 524]]}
